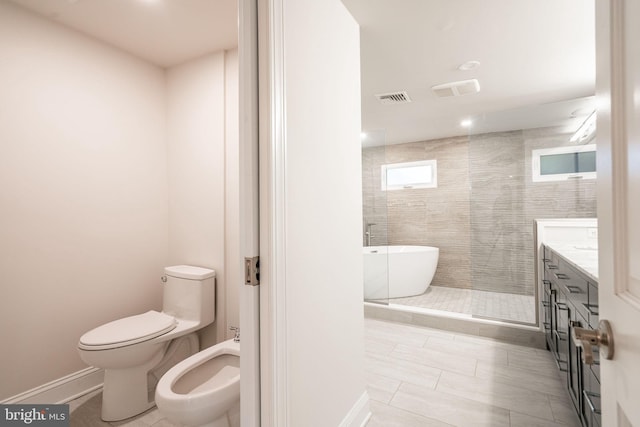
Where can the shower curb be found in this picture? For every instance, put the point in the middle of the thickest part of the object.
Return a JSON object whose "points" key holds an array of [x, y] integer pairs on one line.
{"points": [[529, 336]]}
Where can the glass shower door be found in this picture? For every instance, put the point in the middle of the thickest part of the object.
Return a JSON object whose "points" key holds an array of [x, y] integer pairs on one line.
{"points": [[374, 220], [508, 196], [502, 269]]}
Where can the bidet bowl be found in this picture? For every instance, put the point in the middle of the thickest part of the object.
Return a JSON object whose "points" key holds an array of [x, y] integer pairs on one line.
{"points": [[202, 388]]}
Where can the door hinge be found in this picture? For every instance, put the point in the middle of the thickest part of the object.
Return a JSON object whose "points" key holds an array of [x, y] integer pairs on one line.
{"points": [[252, 271]]}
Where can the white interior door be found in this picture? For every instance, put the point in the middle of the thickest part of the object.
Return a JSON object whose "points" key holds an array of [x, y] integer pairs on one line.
{"points": [[249, 212], [618, 139]]}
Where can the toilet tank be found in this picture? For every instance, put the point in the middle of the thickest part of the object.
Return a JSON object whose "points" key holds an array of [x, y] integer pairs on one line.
{"points": [[189, 293]]}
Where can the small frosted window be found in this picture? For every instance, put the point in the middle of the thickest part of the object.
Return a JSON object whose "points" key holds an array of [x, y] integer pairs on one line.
{"points": [[568, 163], [560, 163], [409, 175]]}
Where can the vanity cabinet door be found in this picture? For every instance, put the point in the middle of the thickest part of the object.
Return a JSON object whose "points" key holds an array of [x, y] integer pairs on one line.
{"points": [[548, 298], [592, 306], [560, 316], [575, 366], [591, 405], [574, 285], [595, 368]]}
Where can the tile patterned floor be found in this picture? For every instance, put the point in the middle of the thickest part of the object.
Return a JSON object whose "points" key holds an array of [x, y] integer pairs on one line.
{"points": [[85, 412], [492, 305], [427, 377]]}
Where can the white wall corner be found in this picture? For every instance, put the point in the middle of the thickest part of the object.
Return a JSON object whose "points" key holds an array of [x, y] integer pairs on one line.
{"points": [[61, 390], [359, 414]]}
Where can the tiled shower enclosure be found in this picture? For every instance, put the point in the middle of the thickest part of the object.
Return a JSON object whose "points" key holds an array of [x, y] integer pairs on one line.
{"points": [[482, 212]]}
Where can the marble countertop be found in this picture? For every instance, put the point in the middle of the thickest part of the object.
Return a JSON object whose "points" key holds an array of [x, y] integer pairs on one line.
{"points": [[582, 257]]}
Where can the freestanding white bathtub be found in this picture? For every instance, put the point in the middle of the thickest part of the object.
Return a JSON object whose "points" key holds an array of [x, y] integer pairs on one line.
{"points": [[398, 271]]}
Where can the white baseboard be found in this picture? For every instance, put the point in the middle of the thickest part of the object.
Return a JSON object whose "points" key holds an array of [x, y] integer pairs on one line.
{"points": [[359, 414], [61, 390]]}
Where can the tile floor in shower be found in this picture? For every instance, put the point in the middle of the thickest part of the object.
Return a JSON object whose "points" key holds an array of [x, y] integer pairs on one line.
{"points": [[492, 305]]}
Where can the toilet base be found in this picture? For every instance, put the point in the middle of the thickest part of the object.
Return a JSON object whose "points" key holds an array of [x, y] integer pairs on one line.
{"points": [[125, 393], [130, 392]]}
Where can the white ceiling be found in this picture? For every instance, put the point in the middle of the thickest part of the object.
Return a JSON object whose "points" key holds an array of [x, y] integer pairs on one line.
{"points": [[537, 56], [163, 32], [532, 53]]}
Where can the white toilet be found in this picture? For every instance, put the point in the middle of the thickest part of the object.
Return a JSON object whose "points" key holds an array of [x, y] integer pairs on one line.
{"points": [[204, 389], [136, 351]]}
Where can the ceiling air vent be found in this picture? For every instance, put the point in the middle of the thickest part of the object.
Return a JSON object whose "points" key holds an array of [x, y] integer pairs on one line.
{"points": [[393, 98], [463, 87]]}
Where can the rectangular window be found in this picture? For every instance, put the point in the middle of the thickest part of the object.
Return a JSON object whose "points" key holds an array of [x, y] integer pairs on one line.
{"points": [[399, 176], [560, 163]]}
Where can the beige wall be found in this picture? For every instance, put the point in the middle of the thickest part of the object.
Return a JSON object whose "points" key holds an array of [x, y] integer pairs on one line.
{"points": [[110, 169], [196, 136], [83, 199], [233, 258]]}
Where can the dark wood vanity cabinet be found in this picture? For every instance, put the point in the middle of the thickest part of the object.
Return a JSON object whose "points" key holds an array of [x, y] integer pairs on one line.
{"points": [[569, 299]]}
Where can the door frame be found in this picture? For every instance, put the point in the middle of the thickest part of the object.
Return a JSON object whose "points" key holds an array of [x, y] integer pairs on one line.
{"points": [[262, 211], [249, 229], [273, 197]]}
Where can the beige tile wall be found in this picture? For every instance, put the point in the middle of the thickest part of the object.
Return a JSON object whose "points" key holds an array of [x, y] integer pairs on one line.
{"points": [[480, 216], [501, 239], [429, 216]]}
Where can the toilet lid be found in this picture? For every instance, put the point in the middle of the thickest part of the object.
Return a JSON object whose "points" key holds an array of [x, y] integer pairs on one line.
{"points": [[130, 330]]}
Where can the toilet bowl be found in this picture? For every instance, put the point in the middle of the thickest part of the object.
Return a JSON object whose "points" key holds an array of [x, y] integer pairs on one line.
{"points": [[204, 389], [136, 351]]}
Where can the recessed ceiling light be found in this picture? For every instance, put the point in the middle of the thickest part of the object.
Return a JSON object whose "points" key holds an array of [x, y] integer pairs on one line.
{"points": [[466, 123], [469, 65], [363, 136]]}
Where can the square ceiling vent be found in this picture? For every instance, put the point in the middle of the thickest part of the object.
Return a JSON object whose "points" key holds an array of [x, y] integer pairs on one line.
{"points": [[459, 88], [393, 98]]}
